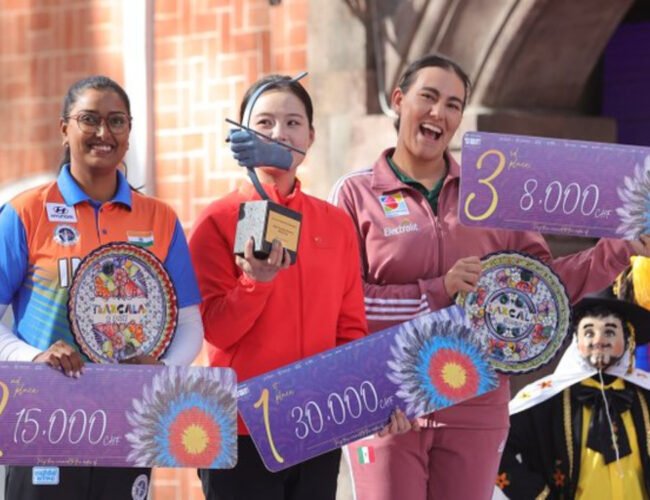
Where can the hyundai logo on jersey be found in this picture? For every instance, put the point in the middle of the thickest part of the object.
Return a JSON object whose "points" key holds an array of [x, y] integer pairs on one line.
{"points": [[60, 212]]}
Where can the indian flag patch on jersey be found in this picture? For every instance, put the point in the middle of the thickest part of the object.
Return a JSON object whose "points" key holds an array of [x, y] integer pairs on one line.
{"points": [[140, 238], [394, 205], [366, 454]]}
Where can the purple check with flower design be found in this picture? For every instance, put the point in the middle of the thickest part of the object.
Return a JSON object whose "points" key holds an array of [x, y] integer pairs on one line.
{"points": [[323, 402], [118, 416], [558, 186]]}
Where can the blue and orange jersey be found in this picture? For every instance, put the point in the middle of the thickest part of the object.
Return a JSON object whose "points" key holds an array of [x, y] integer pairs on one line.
{"points": [[45, 232]]}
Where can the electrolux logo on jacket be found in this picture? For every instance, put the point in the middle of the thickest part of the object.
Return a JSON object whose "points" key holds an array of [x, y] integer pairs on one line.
{"points": [[406, 226]]}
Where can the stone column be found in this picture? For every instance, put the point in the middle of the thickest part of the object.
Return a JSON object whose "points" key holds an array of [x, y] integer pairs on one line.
{"points": [[346, 136]]}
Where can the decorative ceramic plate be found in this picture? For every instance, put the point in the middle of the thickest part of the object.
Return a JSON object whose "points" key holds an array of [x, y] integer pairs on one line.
{"points": [[520, 311], [122, 304]]}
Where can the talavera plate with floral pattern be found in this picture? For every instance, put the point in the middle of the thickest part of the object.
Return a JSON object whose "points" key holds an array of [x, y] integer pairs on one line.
{"points": [[122, 304], [520, 311]]}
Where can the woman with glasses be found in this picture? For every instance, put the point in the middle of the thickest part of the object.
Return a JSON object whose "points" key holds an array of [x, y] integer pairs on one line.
{"points": [[44, 234]]}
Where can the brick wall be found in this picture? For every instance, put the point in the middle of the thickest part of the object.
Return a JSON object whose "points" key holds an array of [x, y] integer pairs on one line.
{"points": [[44, 47], [207, 52]]}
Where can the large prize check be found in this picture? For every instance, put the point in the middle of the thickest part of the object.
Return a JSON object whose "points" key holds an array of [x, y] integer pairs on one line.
{"points": [[559, 186], [323, 402], [118, 415]]}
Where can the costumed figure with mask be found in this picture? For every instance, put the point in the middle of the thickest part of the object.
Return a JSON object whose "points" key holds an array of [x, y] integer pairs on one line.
{"points": [[583, 431]]}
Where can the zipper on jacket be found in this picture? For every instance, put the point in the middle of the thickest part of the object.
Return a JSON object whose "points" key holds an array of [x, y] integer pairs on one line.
{"points": [[433, 217]]}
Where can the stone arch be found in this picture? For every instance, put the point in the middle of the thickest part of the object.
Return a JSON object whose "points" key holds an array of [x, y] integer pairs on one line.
{"points": [[519, 53]]}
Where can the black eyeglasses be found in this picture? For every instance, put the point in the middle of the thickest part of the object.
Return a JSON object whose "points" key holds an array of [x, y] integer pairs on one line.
{"points": [[89, 123]]}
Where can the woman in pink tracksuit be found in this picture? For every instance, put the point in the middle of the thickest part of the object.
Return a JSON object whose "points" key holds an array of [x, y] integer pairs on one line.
{"points": [[415, 257]]}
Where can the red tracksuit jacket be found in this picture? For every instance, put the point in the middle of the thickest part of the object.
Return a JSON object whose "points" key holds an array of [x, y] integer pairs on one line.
{"points": [[313, 306]]}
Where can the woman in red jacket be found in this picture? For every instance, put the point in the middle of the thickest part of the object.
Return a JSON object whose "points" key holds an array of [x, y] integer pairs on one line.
{"points": [[261, 314]]}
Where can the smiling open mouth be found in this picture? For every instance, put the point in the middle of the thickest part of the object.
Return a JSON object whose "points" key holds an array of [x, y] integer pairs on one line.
{"points": [[102, 148], [431, 131]]}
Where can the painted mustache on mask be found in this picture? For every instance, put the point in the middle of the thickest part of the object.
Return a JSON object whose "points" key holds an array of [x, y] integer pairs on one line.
{"points": [[599, 357]]}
